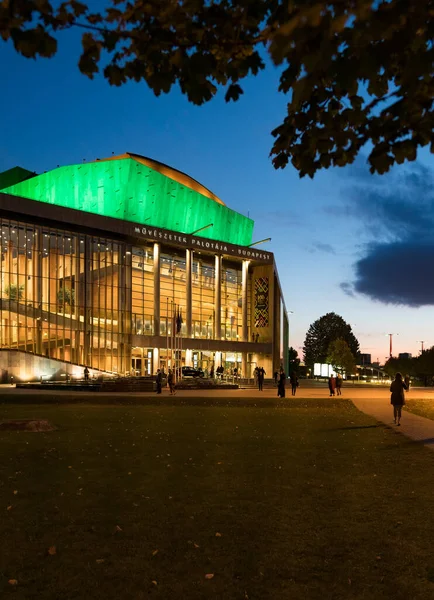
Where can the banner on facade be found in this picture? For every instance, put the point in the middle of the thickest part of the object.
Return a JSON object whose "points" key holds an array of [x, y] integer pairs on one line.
{"points": [[261, 313]]}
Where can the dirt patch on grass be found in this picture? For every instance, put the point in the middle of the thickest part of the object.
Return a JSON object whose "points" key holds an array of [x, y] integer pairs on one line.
{"points": [[34, 425]]}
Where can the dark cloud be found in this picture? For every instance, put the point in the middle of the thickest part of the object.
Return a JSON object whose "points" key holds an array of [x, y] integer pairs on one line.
{"points": [[397, 273], [396, 267]]}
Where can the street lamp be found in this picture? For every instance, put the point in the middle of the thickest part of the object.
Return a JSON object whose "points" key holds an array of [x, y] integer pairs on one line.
{"points": [[422, 343], [390, 342], [260, 242], [202, 228]]}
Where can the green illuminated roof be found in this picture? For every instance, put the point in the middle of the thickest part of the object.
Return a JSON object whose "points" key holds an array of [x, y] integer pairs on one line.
{"points": [[137, 189]]}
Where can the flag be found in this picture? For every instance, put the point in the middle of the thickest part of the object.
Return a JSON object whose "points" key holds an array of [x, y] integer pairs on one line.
{"points": [[178, 321]]}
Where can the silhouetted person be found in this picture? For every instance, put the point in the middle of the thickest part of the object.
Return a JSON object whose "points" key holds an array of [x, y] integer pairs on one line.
{"points": [[407, 382], [281, 385], [338, 384], [159, 381], [86, 374], [211, 373], [294, 382], [397, 399], [276, 376], [332, 385], [171, 383], [261, 375]]}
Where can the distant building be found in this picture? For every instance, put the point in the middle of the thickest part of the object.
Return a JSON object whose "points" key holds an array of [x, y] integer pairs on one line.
{"points": [[405, 355], [364, 359]]}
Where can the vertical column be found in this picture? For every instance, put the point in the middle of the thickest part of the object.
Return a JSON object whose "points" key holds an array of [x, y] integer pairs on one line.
{"points": [[218, 299], [244, 373], [88, 324], [125, 308], [188, 284], [156, 289], [155, 360], [37, 278], [244, 288], [276, 326]]}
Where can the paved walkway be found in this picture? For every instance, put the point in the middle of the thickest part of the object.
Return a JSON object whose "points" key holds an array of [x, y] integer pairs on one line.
{"points": [[413, 426]]}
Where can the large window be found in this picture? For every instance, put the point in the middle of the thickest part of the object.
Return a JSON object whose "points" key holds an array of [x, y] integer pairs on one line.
{"points": [[232, 312], [203, 284], [172, 290], [64, 295], [142, 291]]}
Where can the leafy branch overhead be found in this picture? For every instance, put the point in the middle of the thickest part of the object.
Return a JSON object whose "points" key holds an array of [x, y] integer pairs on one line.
{"points": [[356, 72]]}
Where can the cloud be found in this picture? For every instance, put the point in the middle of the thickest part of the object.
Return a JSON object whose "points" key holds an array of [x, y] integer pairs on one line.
{"points": [[395, 267], [321, 247], [348, 289]]}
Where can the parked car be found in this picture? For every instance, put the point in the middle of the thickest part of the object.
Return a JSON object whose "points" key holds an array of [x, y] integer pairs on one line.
{"points": [[192, 372]]}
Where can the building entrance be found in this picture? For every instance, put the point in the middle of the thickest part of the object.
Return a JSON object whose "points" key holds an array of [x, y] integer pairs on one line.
{"points": [[141, 362]]}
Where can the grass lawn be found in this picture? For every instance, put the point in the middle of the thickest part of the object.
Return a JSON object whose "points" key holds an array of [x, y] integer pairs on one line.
{"points": [[424, 408], [311, 501]]}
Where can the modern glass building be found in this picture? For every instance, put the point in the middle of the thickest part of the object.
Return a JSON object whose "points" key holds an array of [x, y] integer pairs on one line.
{"points": [[97, 257]]}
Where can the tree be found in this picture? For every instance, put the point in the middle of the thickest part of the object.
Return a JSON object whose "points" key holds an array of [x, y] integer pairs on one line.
{"points": [[400, 365], [340, 357], [424, 365], [356, 71], [294, 361], [322, 333]]}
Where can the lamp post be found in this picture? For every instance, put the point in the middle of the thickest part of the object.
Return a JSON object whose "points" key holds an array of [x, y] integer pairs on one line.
{"points": [[260, 242], [390, 342], [422, 343], [202, 228]]}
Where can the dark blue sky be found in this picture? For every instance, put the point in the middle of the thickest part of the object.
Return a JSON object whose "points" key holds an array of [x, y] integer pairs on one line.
{"points": [[52, 115]]}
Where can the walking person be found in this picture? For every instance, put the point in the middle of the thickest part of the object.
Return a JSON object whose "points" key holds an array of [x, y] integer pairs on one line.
{"points": [[339, 384], [397, 399], [171, 383], [281, 385], [407, 382], [261, 375], [159, 381], [276, 377], [211, 373], [86, 374], [332, 385], [294, 382]]}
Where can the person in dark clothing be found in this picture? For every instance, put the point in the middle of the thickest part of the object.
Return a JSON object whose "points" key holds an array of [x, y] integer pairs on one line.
{"points": [[211, 373], [171, 383], [332, 385], [407, 382], [294, 382], [276, 376], [86, 374], [397, 399], [261, 375], [338, 384], [159, 381], [281, 386]]}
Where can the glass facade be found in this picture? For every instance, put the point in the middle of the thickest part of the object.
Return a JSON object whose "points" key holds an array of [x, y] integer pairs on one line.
{"points": [[142, 292], [90, 300], [231, 306], [63, 295], [203, 289]]}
